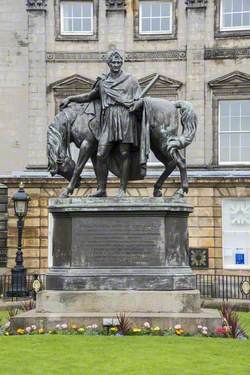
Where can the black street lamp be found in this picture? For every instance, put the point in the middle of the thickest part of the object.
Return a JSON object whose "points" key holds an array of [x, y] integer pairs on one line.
{"points": [[19, 285]]}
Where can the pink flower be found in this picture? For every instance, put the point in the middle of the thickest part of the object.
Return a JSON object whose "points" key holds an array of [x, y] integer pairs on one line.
{"points": [[28, 329], [177, 326], [146, 325], [64, 326]]}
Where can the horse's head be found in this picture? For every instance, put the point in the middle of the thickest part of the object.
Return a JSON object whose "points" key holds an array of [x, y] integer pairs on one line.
{"points": [[64, 168], [59, 162]]}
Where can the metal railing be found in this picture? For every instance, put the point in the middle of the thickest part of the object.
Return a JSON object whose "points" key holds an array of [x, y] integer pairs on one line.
{"points": [[19, 288], [223, 286], [210, 286]]}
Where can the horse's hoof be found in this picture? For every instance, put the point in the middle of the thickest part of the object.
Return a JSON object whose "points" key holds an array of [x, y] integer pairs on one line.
{"points": [[157, 193], [64, 194], [121, 193], [185, 189]]}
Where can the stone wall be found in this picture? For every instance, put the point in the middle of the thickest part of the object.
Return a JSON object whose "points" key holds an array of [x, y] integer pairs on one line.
{"points": [[33, 57], [205, 196]]}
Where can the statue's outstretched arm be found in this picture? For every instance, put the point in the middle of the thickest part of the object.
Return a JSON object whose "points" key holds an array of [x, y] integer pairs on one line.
{"points": [[82, 98]]}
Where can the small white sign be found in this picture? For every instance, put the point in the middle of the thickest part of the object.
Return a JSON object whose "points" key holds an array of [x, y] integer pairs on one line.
{"points": [[110, 322]]}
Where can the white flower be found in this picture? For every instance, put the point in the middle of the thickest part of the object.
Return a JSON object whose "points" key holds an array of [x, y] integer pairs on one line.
{"points": [[33, 327], [28, 329], [94, 326], [64, 326], [177, 326], [204, 332], [7, 325], [58, 326], [88, 327], [199, 327], [146, 325], [204, 328]]}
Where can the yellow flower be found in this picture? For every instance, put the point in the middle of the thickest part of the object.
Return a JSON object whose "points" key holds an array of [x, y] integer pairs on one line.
{"points": [[41, 331], [113, 329], [156, 329], [50, 332], [20, 331], [6, 334], [179, 331], [81, 330], [136, 330]]}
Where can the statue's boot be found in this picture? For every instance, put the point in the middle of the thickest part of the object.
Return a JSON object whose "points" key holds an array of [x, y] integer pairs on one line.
{"points": [[124, 177], [102, 176], [99, 194]]}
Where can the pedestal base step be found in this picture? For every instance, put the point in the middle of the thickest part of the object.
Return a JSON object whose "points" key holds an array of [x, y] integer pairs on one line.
{"points": [[189, 321], [118, 301]]}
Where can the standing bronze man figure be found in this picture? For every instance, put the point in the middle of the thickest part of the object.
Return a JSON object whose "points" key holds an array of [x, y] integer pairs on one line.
{"points": [[118, 92]]}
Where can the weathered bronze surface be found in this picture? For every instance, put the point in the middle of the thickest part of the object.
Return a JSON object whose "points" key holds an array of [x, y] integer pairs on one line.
{"points": [[116, 125]]}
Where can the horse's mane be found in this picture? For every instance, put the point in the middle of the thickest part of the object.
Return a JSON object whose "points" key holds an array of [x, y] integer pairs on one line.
{"points": [[57, 136]]}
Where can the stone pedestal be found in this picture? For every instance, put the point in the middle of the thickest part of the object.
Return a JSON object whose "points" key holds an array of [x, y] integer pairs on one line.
{"points": [[119, 255], [119, 244]]}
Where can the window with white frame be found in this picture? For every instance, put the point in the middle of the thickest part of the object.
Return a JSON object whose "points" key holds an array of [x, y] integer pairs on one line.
{"points": [[234, 132], [76, 17], [155, 17], [235, 232], [235, 15]]}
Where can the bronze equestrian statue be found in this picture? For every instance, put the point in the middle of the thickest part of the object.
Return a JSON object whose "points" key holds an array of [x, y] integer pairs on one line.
{"points": [[116, 127]]}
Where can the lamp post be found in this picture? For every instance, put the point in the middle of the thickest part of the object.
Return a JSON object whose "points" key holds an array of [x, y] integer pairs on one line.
{"points": [[21, 202]]}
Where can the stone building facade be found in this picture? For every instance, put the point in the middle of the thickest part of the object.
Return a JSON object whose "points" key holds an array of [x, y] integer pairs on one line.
{"points": [[50, 49]]}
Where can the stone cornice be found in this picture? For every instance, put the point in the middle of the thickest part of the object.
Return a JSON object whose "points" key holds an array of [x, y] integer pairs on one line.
{"points": [[101, 56], [196, 4], [226, 53], [36, 5]]}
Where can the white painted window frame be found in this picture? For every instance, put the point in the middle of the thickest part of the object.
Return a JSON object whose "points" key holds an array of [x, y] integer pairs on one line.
{"points": [[228, 132], [156, 32], [91, 32], [230, 28]]}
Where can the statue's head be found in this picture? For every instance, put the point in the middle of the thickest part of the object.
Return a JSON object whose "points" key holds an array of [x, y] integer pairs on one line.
{"points": [[115, 61]]}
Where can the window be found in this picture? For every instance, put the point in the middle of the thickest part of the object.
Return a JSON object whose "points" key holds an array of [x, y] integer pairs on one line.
{"points": [[235, 15], [76, 17], [234, 131], [235, 232], [155, 17]]}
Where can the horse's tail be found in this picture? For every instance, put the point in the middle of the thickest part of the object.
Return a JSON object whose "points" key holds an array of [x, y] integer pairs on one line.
{"points": [[189, 126], [57, 135]]}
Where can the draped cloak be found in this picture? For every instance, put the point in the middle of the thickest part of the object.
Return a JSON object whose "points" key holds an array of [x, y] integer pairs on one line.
{"points": [[121, 93]]}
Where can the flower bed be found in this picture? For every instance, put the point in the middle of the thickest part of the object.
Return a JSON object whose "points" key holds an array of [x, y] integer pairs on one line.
{"points": [[94, 330]]}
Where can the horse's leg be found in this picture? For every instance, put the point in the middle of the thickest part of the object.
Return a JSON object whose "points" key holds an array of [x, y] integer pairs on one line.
{"points": [[86, 150], [158, 185]]}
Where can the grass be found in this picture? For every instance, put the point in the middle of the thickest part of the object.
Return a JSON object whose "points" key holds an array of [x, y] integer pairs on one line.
{"points": [[77, 355], [73, 355]]}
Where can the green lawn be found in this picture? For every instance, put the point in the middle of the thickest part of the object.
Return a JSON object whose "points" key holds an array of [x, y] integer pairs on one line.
{"points": [[73, 355], [84, 355]]}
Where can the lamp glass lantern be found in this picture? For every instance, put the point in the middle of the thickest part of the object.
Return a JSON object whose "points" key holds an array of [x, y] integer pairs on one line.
{"points": [[21, 201]]}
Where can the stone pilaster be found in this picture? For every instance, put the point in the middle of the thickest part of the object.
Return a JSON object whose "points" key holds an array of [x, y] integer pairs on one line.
{"points": [[196, 77], [37, 114], [116, 14]]}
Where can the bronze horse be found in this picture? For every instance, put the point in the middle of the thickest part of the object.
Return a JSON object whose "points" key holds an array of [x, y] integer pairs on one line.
{"points": [[80, 124]]}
